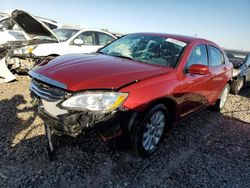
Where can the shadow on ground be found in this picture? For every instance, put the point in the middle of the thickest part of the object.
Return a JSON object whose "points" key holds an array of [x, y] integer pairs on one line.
{"points": [[245, 92], [207, 149]]}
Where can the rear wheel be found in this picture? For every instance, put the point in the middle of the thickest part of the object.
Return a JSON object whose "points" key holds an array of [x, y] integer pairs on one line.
{"points": [[237, 85], [220, 104], [149, 130]]}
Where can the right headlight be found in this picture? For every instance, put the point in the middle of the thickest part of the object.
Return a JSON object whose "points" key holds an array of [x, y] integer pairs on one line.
{"points": [[102, 101]]}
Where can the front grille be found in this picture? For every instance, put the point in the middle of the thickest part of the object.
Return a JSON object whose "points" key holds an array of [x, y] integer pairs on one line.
{"points": [[46, 92]]}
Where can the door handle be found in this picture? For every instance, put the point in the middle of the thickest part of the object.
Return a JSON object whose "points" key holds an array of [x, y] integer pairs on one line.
{"points": [[224, 68]]}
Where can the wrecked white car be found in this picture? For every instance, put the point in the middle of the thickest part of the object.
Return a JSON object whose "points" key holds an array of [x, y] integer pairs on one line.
{"points": [[38, 33], [12, 38], [64, 41], [11, 31], [46, 42]]}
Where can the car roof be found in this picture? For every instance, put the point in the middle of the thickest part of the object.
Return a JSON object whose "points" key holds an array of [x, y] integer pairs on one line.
{"points": [[82, 29], [183, 38]]}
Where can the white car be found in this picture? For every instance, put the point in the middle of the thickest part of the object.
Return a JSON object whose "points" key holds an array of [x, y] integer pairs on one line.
{"points": [[11, 31], [73, 40], [47, 42]]}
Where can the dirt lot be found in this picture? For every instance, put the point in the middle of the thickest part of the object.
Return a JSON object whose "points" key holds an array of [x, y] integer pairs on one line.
{"points": [[207, 150]]}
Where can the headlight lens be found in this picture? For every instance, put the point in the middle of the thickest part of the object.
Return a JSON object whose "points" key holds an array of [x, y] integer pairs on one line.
{"points": [[25, 50], [95, 101], [236, 72]]}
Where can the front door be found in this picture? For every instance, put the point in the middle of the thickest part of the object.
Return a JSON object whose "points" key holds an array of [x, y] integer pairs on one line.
{"points": [[196, 88]]}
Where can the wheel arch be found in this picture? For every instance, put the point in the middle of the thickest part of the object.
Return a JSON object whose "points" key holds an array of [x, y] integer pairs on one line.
{"points": [[170, 105]]}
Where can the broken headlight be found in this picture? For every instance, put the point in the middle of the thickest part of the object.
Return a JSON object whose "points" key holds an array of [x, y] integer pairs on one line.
{"points": [[24, 50], [236, 72], [95, 101]]}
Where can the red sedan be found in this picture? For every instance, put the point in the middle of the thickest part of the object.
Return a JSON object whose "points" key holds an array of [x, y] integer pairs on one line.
{"points": [[133, 88]]}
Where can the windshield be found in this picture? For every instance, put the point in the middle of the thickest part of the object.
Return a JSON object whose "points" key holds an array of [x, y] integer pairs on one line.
{"points": [[147, 49], [64, 34]]}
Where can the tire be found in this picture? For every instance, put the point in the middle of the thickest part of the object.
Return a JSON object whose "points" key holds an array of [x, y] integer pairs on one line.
{"points": [[149, 130], [220, 104], [237, 85]]}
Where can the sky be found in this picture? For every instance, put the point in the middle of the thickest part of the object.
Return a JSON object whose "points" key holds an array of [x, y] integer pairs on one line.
{"points": [[226, 22]]}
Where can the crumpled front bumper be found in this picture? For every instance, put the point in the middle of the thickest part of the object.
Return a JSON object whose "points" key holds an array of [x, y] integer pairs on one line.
{"points": [[66, 124], [48, 100], [108, 126]]}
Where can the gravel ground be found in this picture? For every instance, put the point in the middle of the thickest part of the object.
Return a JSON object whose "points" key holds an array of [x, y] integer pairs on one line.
{"points": [[206, 150]]}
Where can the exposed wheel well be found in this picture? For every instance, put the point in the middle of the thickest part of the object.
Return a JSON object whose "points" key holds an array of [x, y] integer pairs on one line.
{"points": [[170, 104]]}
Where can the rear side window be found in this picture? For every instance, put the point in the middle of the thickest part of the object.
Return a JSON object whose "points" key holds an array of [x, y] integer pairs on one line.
{"points": [[198, 56], [216, 56], [104, 39], [248, 60]]}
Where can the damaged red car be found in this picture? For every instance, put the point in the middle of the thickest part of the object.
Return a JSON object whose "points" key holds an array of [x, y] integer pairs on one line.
{"points": [[133, 88]]}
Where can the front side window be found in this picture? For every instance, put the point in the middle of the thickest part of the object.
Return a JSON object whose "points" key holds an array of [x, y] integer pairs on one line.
{"points": [[147, 49], [216, 57], [87, 37], [198, 56], [104, 39]]}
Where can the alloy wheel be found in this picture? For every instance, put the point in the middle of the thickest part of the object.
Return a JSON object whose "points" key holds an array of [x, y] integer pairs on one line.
{"points": [[154, 130]]}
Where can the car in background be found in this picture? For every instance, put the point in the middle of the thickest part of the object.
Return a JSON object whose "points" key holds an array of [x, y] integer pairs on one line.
{"points": [[73, 40], [18, 29], [46, 42], [11, 31], [134, 88], [241, 70]]}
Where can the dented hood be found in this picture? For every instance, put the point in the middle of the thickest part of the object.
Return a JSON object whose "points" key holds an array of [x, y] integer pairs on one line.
{"points": [[31, 25], [94, 71]]}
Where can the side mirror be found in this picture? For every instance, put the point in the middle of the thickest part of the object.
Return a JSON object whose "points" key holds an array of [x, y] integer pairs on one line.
{"points": [[199, 69], [78, 42]]}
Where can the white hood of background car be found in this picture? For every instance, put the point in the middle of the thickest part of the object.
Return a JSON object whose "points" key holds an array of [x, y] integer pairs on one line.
{"points": [[50, 48], [31, 25]]}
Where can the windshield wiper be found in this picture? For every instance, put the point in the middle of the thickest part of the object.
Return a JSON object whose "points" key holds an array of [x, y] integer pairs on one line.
{"points": [[99, 52], [121, 56], [125, 57]]}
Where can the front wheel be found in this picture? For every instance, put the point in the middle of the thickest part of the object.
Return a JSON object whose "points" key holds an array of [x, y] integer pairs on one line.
{"points": [[149, 130]]}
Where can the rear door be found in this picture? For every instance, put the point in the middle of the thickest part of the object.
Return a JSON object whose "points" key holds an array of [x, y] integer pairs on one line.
{"points": [[219, 69], [103, 39]]}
